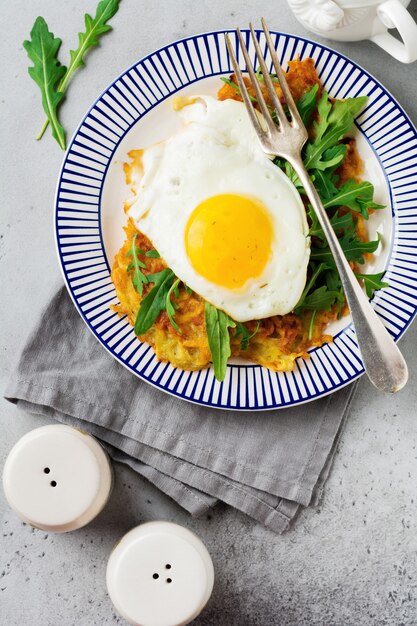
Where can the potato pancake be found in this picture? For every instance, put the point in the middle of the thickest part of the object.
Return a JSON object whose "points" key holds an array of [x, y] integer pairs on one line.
{"points": [[279, 340]]}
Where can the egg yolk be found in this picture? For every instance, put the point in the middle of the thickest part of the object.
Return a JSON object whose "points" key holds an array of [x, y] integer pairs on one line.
{"points": [[228, 239]]}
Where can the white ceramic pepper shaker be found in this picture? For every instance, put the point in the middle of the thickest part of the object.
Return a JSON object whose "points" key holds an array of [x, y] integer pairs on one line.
{"points": [[57, 478], [160, 574]]}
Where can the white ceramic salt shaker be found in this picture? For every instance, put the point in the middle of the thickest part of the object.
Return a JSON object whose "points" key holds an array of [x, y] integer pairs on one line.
{"points": [[57, 478], [160, 574], [354, 20]]}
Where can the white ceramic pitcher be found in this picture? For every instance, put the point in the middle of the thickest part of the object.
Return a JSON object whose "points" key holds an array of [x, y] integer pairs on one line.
{"points": [[354, 20]]}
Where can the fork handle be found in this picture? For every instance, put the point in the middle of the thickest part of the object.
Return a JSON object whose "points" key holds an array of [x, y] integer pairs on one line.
{"points": [[382, 360]]}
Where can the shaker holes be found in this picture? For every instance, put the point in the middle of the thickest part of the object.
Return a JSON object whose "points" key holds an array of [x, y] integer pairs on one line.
{"points": [[156, 576], [46, 470], [53, 483]]}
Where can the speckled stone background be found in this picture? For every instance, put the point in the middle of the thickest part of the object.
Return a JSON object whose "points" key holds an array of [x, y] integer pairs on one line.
{"points": [[352, 560]]}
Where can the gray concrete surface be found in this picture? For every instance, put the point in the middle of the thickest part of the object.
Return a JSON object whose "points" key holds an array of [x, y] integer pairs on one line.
{"points": [[350, 561]]}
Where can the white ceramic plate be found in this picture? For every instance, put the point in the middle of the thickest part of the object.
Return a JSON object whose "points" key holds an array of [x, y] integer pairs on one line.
{"points": [[135, 111]]}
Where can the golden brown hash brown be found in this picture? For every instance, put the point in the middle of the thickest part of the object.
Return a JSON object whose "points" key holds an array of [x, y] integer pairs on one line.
{"points": [[280, 339]]}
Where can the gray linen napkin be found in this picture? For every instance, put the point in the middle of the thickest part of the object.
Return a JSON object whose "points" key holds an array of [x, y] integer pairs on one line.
{"points": [[265, 464]]}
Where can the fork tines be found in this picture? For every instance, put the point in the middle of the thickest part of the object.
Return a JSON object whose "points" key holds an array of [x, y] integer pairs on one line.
{"points": [[282, 119]]}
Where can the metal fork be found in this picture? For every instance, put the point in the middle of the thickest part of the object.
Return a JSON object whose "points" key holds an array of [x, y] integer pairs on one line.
{"points": [[382, 360]]}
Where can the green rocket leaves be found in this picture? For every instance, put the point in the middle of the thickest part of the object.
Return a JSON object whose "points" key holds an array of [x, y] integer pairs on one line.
{"points": [[48, 73]]}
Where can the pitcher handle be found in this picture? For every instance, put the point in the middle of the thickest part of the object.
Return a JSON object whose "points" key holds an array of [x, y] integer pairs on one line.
{"points": [[394, 15]]}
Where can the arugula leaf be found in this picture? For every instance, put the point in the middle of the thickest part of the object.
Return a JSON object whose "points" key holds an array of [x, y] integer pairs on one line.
{"points": [[324, 182], [334, 283], [324, 107], [352, 246], [139, 278], [321, 299], [293, 176], [170, 306], [260, 76], [313, 278], [243, 332], [217, 325], [47, 71], [236, 87], [289, 171], [153, 254], [335, 120], [155, 301], [311, 325], [94, 29], [372, 282], [339, 222], [315, 229], [332, 157], [333, 280], [228, 81], [307, 104], [343, 222], [355, 196]]}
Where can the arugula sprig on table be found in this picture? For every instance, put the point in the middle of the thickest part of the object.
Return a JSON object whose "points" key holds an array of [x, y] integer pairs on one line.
{"points": [[52, 77], [47, 72]]}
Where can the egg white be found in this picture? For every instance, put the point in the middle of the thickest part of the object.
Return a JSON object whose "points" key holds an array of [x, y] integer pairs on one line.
{"points": [[216, 151]]}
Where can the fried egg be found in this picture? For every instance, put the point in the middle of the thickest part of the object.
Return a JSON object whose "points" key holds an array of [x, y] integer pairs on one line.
{"points": [[227, 221]]}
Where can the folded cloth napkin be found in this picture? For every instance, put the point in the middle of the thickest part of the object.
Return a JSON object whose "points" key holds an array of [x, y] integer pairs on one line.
{"points": [[266, 464]]}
